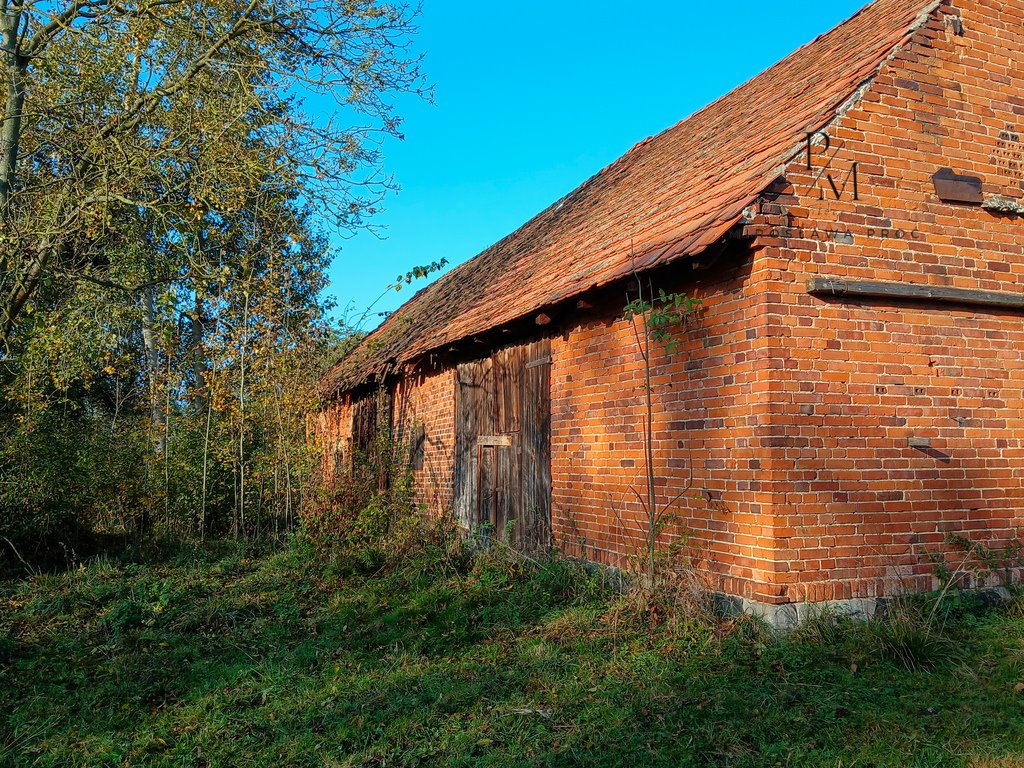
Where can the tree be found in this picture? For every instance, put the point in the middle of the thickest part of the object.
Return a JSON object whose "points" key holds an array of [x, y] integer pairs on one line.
{"points": [[170, 111], [163, 195], [655, 316]]}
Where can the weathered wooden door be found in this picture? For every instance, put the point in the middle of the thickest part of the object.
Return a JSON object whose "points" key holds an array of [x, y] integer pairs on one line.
{"points": [[503, 446], [371, 435]]}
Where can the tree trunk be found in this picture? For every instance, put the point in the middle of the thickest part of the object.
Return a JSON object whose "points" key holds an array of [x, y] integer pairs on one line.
{"points": [[241, 413], [206, 467], [285, 456], [197, 352], [151, 343], [652, 513], [16, 70]]}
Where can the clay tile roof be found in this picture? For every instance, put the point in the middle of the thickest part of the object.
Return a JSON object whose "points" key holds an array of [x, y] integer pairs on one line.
{"points": [[670, 196]]}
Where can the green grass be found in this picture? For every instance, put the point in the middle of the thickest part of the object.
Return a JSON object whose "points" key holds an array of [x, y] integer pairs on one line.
{"points": [[228, 656]]}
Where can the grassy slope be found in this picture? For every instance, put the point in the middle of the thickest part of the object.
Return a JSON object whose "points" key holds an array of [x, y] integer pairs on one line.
{"points": [[228, 658]]}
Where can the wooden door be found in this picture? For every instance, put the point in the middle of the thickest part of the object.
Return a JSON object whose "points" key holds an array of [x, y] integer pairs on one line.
{"points": [[371, 436], [503, 446]]}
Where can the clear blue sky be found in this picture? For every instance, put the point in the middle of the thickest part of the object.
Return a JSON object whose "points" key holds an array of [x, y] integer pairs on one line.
{"points": [[533, 98]]}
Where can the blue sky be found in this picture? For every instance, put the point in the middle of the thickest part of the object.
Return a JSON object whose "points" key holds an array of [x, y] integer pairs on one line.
{"points": [[533, 98]]}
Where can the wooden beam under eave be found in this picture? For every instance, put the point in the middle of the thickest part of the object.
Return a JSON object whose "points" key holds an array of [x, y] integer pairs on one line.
{"points": [[827, 287]]}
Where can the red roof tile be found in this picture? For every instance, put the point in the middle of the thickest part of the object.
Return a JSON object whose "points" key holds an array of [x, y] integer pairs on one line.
{"points": [[671, 195]]}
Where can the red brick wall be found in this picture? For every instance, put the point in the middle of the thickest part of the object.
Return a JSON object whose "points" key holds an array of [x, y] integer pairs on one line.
{"points": [[855, 508], [708, 410], [789, 417], [421, 400], [427, 401], [331, 428]]}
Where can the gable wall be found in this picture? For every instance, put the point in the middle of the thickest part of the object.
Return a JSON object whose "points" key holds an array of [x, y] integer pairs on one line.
{"points": [[859, 508]]}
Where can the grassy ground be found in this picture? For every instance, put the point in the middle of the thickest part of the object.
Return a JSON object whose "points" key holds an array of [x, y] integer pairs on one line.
{"points": [[232, 657]]}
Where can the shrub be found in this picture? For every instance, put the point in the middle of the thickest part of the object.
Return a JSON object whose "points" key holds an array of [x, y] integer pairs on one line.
{"points": [[64, 476]]}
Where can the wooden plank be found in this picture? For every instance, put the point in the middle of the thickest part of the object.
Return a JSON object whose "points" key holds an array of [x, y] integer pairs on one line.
{"points": [[486, 511], [463, 469], [503, 461], [364, 425], [487, 404], [417, 447], [470, 402], [509, 388], [385, 415], [494, 441], [534, 530], [824, 287], [371, 425], [506, 484]]}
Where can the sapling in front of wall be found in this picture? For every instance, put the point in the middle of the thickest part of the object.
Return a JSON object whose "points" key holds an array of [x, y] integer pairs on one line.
{"points": [[656, 316]]}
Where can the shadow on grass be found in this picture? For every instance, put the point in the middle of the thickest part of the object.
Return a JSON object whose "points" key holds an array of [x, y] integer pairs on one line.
{"points": [[241, 658]]}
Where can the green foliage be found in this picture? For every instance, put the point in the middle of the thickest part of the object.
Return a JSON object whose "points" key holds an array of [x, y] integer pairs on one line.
{"points": [[418, 273], [966, 562], [160, 132], [369, 520], [240, 655], [660, 318], [912, 629], [63, 473], [165, 207], [663, 316], [208, 436]]}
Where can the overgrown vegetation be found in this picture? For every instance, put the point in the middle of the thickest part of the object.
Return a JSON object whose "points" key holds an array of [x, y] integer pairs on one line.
{"points": [[419, 653], [171, 174]]}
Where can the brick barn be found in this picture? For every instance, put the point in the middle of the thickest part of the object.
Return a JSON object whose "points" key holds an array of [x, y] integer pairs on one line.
{"points": [[852, 390]]}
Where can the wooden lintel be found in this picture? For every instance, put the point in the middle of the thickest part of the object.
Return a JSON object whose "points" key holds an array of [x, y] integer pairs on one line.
{"points": [[824, 287]]}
